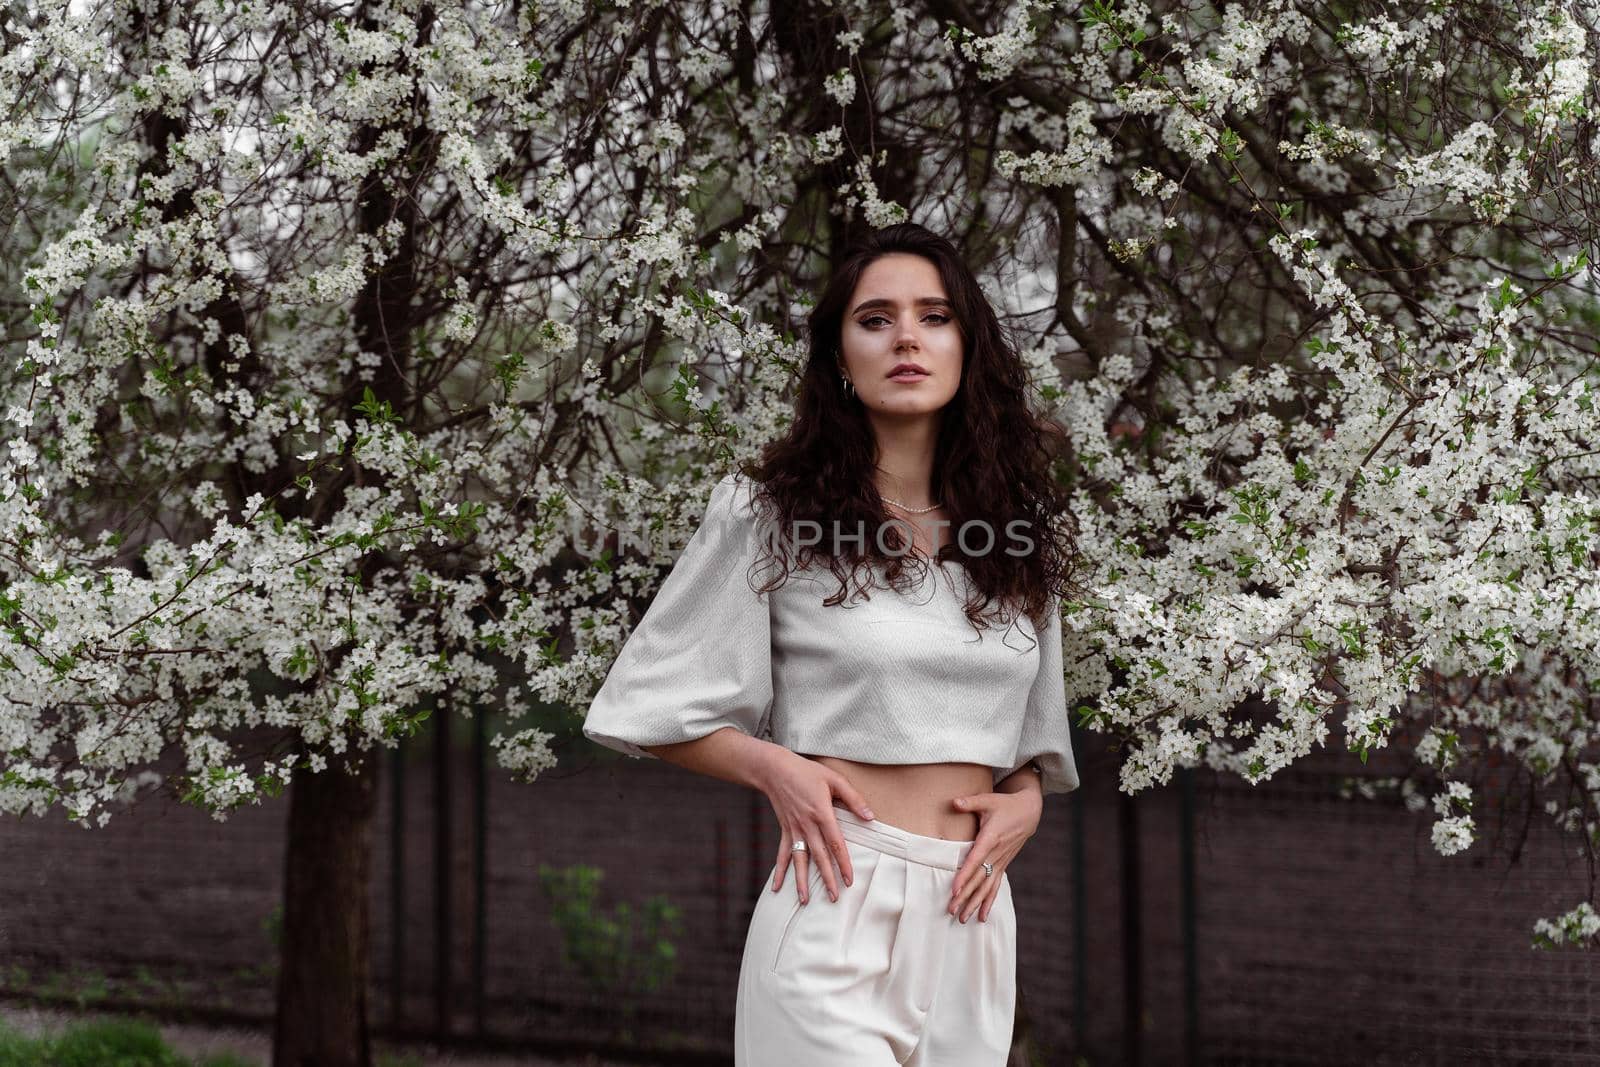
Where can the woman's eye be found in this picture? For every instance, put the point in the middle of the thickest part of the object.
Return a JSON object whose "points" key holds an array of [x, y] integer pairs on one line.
{"points": [[936, 318]]}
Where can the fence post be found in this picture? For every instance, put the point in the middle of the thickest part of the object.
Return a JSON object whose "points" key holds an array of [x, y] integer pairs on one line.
{"points": [[397, 884], [758, 814], [1132, 972], [720, 882], [1080, 926], [480, 854], [441, 873], [1186, 879]]}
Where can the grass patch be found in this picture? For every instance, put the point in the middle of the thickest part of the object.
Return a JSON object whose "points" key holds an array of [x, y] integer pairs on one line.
{"points": [[101, 1043]]}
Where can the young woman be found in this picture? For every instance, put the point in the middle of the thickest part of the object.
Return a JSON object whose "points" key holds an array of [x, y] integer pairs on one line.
{"points": [[894, 688]]}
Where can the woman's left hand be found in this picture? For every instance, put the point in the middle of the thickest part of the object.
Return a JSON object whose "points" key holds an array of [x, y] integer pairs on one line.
{"points": [[1005, 822]]}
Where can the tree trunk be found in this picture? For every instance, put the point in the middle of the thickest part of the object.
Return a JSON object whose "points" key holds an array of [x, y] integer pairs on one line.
{"points": [[322, 977]]}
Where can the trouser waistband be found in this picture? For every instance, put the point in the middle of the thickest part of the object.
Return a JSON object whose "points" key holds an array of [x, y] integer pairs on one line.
{"points": [[932, 851]]}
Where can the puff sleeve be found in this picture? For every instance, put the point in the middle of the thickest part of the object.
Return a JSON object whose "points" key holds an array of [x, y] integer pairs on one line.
{"points": [[1046, 739], [701, 656]]}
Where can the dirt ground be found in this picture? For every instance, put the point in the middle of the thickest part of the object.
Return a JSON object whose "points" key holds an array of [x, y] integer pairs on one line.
{"points": [[256, 1046]]}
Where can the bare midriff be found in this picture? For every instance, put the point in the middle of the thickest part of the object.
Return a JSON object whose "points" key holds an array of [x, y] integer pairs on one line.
{"points": [[919, 797]]}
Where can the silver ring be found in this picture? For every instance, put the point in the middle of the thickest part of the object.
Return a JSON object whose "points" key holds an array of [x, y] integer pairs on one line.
{"points": [[798, 846], [988, 869]]}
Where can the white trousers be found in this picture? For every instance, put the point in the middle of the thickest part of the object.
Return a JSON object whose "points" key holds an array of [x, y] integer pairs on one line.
{"points": [[885, 974]]}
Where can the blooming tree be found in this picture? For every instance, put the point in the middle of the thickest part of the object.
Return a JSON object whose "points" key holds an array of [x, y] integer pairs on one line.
{"points": [[369, 360], [1384, 522]]}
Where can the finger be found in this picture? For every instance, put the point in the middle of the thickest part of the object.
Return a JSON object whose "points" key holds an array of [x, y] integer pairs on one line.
{"points": [[974, 897], [960, 907], [802, 871], [988, 898], [959, 895], [782, 863], [851, 796], [978, 883], [984, 897], [824, 859], [974, 803], [970, 867], [838, 850]]}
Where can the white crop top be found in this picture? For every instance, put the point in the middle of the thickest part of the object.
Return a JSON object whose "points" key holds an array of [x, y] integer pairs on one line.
{"points": [[897, 678]]}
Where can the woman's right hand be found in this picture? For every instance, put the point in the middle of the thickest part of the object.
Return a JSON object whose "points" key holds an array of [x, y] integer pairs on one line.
{"points": [[801, 792]]}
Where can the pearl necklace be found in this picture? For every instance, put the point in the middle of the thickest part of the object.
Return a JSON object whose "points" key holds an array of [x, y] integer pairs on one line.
{"points": [[902, 507]]}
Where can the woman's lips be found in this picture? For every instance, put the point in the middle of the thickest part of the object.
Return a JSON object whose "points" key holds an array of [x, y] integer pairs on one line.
{"points": [[907, 376]]}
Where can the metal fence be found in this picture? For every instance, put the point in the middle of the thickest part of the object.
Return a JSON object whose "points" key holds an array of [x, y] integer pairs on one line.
{"points": [[1206, 922]]}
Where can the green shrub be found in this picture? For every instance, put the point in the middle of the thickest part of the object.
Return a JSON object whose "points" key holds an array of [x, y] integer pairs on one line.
{"points": [[620, 954], [16, 1050], [113, 1043], [102, 1043]]}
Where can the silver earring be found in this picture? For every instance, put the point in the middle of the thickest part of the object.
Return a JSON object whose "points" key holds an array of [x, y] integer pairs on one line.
{"points": [[849, 389]]}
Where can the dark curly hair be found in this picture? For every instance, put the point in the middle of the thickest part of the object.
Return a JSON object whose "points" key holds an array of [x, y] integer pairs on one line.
{"points": [[994, 461]]}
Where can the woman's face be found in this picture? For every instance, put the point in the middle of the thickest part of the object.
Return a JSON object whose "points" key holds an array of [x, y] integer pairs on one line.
{"points": [[899, 314]]}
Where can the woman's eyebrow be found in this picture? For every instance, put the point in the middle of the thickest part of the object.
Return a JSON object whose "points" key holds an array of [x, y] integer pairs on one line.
{"points": [[880, 302]]}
